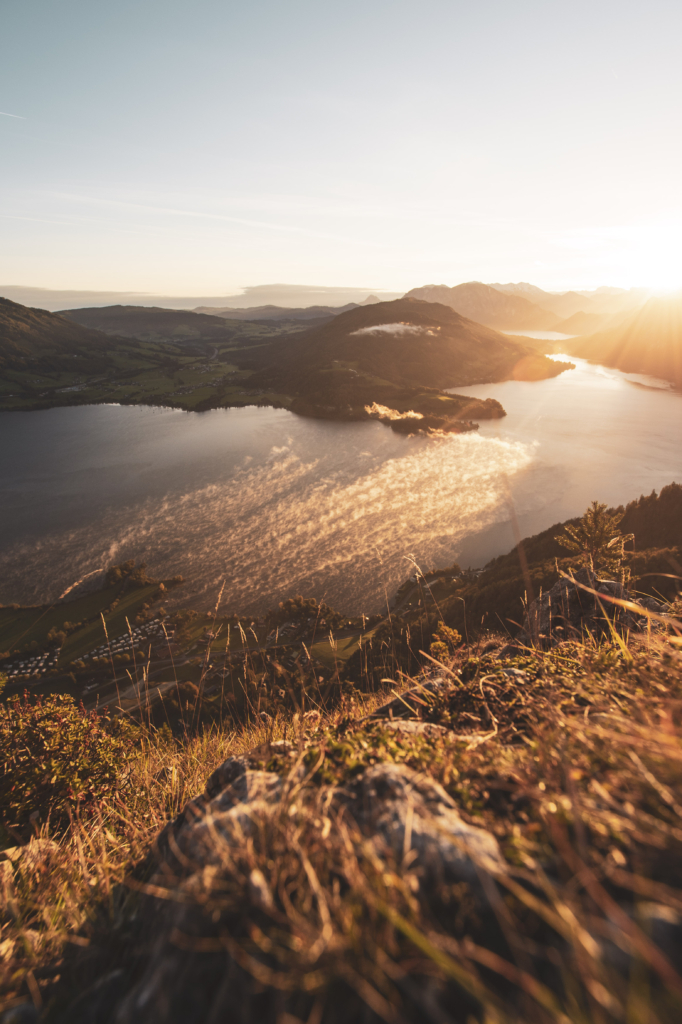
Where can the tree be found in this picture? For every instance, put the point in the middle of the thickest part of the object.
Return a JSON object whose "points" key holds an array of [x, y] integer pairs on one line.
{"points": [[599, 542]]}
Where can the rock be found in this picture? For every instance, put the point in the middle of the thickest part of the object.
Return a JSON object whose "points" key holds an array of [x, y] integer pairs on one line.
{"points": [[186, 973], [410, 811], [34, 856], [23, 1013], [225, 774], [229, 815], [516, 674], [414, 727], [385, 798], [565, 604]]}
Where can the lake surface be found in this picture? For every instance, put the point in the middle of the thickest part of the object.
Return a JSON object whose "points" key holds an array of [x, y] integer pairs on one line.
{"points": [[272, 504], [540, 335]]}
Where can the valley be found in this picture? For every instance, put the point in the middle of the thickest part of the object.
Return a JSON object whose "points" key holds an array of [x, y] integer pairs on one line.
{"points": [[401, 355]]}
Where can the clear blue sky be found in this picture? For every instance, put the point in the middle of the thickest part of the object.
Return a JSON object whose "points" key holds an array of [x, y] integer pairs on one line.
{"points": [[194, 148]]}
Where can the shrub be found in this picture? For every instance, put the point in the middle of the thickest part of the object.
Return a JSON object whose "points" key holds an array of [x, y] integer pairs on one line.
{"points": [[55, 755], [598, 541], [445, 642], [136, 575]]}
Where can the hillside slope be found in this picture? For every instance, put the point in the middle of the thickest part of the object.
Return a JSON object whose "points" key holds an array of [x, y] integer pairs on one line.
{"points": [[384, 352], [486, 305], [150, 322], [564, 304], [600, 302], [27, 334], [649, 341], [336, 844]]}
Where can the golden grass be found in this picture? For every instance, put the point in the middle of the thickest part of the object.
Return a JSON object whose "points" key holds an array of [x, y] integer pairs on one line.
{"points": [[577, 770], [52, 889]]}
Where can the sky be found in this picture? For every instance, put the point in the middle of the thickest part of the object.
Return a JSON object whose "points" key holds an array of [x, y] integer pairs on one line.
{"points": [[207, 147]]}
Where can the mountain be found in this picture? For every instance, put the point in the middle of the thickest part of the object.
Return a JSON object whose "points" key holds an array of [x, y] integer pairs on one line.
{"points": [[486, 305], [567, 304], [616, 301], [601, 302], [151, 323], [523, 288], [28, 334], [649, 341], [562, 304], [585, 323], [590, 323], [398, 354], [278, 312]]}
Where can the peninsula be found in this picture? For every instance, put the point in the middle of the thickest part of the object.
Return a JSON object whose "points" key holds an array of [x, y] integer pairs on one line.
{"points": [[402, 356]]}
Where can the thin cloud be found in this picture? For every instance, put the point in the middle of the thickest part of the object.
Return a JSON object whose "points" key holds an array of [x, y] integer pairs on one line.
{"points": [[3, 113], [207, 215]]}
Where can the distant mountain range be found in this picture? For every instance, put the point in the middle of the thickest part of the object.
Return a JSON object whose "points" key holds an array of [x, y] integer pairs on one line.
{"points": [[183, 326], [486, 305], [55, 300], [150, 323], [515, 308], [277, 312], [435, 337], [604, 302], [477, 301]]}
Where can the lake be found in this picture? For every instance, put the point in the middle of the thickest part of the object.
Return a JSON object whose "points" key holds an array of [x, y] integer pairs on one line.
{"points": [[272, 504]]}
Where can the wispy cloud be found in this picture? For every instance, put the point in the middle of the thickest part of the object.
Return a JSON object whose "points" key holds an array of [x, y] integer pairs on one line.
{"points": [[214, 216], [3, 113]]}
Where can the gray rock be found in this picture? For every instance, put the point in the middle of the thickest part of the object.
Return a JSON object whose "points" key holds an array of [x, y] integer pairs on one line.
{"points": [[398, 809], [225, 774], [24, 1013], [229, 816], [414, 727], [517, 674], [410, 811]]}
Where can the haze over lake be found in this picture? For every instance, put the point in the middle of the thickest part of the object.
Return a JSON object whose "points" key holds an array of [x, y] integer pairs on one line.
{"points": [[274, 504]]}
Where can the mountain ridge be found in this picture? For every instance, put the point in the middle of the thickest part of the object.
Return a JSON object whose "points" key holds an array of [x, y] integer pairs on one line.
{"points": [[389, 353], [149, 322], [271, 312], [485, 305], [27, 333]]}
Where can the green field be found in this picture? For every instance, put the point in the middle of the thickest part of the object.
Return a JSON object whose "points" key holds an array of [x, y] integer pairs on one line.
{"points": [[21, 627], [183, 372], [92, 634], [345, 648]]}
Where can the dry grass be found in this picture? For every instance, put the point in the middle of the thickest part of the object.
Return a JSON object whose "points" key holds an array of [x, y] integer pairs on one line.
{"points": [[56, 888], [575, 767]]}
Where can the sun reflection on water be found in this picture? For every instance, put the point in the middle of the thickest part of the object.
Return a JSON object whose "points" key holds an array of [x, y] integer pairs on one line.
{"points": [[288, 524]]}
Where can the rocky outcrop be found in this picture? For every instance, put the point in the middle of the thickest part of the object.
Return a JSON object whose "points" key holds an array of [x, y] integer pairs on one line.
{"points": [[388, 812], [409, 811]]}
